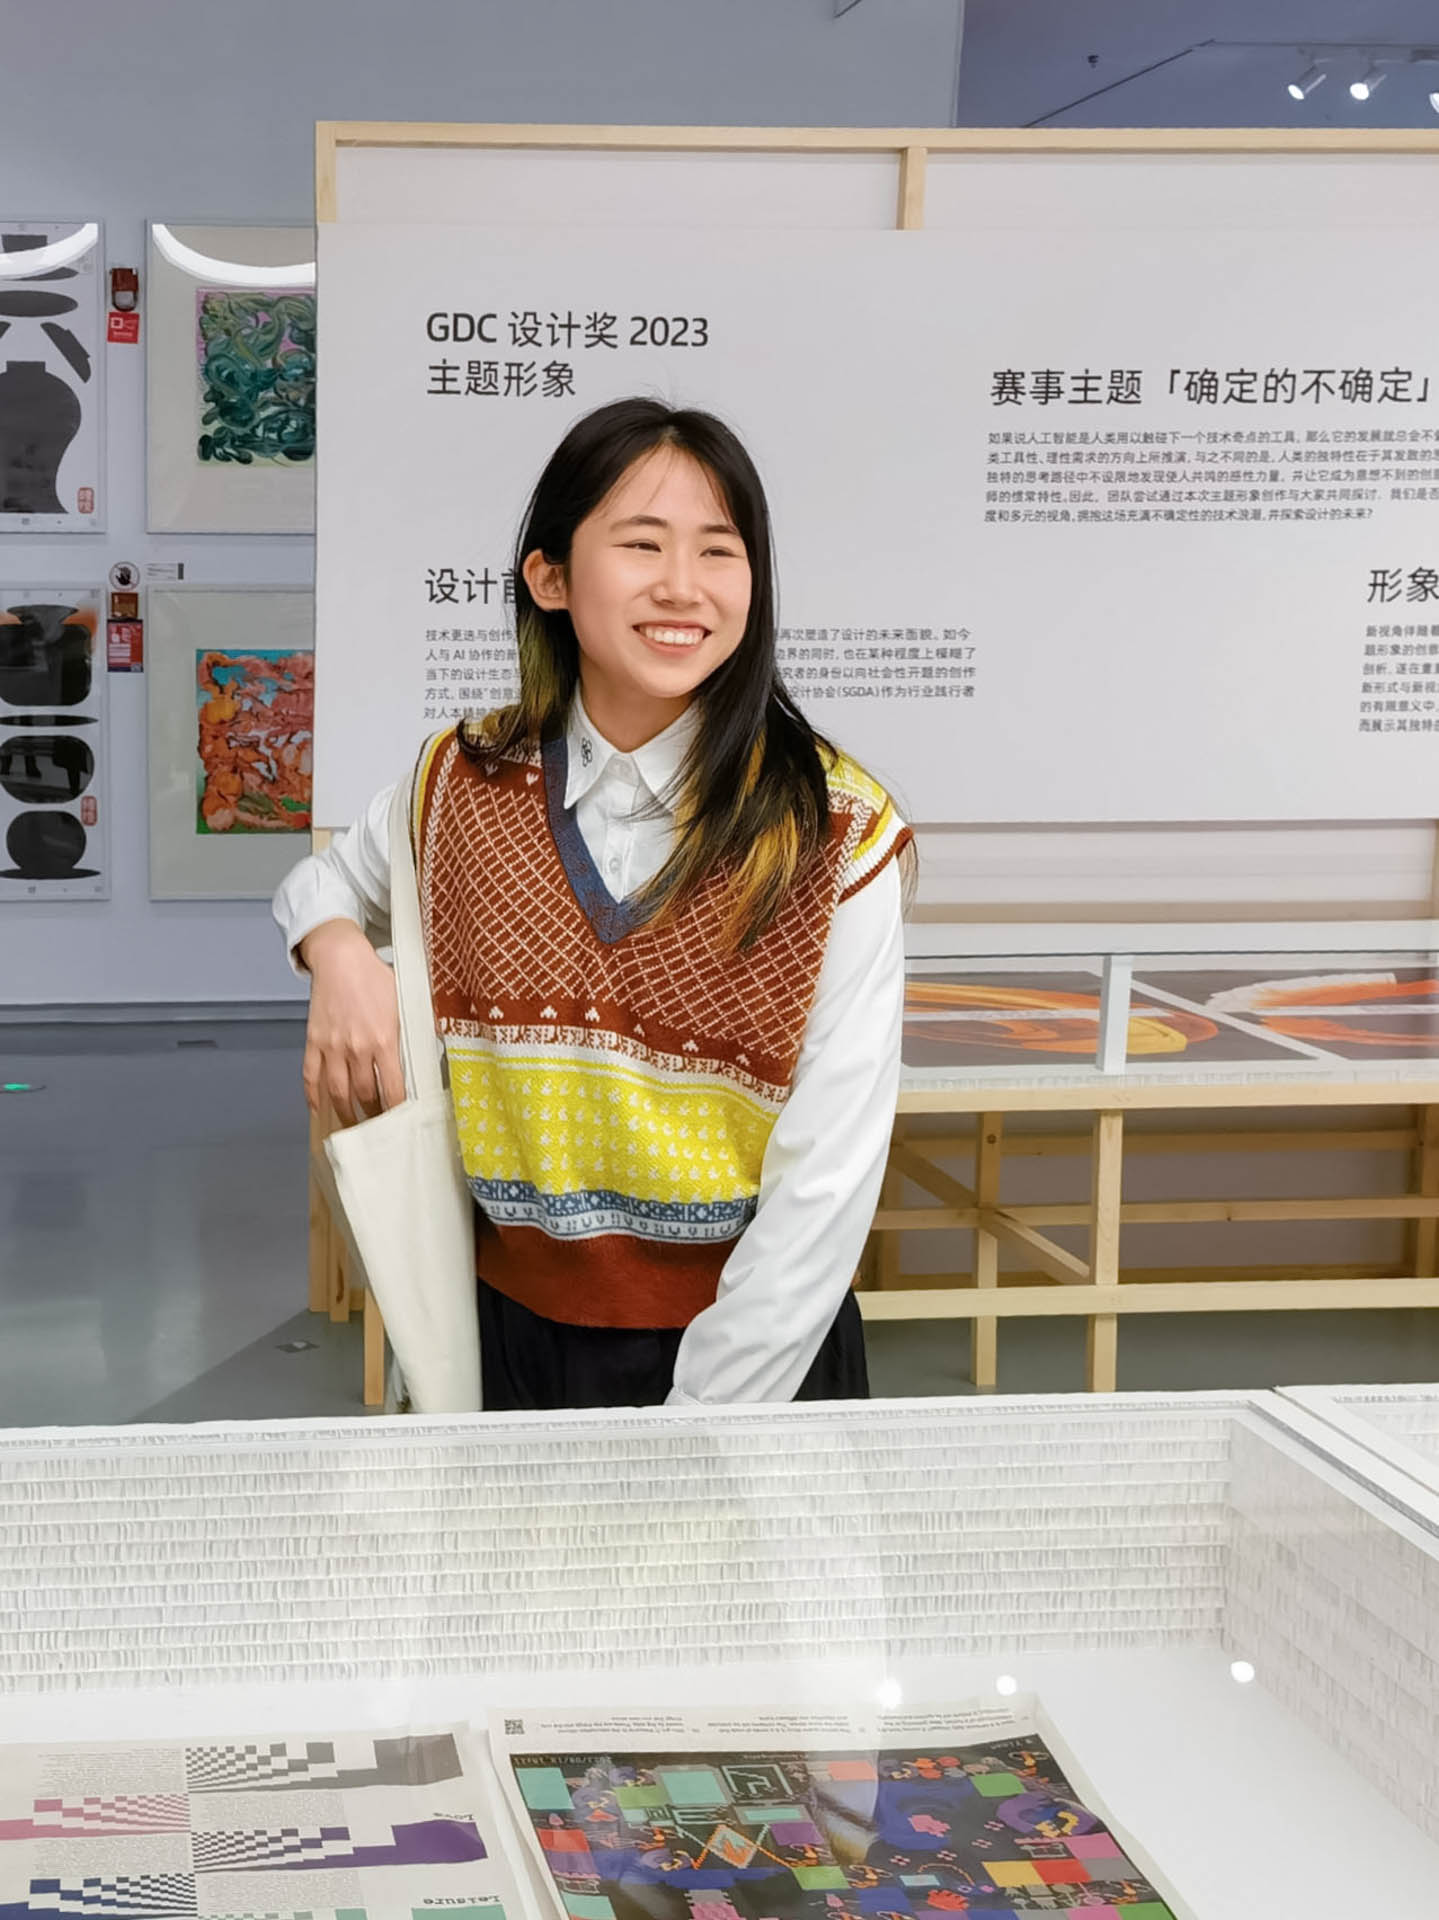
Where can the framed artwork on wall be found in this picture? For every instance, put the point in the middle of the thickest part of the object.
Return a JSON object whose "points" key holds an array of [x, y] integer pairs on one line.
{"points": [[231, 715], [230, 379], [54, 816], [52, 377]]}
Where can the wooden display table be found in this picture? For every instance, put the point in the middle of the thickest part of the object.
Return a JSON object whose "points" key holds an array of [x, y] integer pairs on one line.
{"points": [[1055, 1280], [1058, 1282]]}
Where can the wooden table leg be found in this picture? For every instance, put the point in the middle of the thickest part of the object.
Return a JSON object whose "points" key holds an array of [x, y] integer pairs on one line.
{"points": [[1102, 1360], [320, 1228], [330, 1247], [374, 1353], [1424, 1234], [988, 1159], [339, 1276], [888, 1245]]}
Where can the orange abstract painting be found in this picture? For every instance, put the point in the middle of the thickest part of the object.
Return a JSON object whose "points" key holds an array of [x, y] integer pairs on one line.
{"points": [[255, 741]]}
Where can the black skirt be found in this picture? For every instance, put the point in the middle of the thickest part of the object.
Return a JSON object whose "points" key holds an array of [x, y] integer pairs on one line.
{"points": [[529, 1363]]}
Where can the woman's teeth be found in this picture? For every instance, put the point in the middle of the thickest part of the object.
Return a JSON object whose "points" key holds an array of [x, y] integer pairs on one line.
{"points": [[674, 636]]}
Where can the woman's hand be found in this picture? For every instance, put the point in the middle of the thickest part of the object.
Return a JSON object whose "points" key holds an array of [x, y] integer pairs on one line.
{"points": [[352, 1043]]}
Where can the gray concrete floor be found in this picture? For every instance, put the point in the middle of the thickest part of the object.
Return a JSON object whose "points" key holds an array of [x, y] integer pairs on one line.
{"points": [[152, 1256]]}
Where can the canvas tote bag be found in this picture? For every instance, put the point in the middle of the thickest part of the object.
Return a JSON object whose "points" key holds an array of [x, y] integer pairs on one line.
{"points": [[402, 1185]]}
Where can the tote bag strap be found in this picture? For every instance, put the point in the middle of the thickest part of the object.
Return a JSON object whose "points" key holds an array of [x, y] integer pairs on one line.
{"points": [[419, 1052]]}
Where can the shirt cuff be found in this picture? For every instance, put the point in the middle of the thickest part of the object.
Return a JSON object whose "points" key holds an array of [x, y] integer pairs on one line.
{"points": [[307, 924]]}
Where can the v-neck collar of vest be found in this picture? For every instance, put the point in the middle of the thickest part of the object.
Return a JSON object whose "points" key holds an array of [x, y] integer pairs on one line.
{"points": [[610, 920]]}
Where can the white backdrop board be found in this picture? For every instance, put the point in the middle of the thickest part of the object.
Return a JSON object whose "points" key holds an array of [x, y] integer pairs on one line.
{"points": [[1076, 522], [567, 327], [1112, 663]]}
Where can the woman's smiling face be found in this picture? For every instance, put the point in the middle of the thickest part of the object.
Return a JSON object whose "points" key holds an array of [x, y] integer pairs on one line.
{"points": [[658, 590]]}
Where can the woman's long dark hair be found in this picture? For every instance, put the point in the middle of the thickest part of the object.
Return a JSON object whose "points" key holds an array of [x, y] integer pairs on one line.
{"points": [[754, 797]]}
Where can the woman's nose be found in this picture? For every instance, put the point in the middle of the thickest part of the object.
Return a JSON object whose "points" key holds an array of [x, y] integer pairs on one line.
{"points": [[677, 579]]}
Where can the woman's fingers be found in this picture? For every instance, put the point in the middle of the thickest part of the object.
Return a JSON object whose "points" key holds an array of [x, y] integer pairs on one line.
{"points": [[364, 1082], [352, 1053], [337, 1086], [310, 1074], [391, 1074], [358, 1082]]}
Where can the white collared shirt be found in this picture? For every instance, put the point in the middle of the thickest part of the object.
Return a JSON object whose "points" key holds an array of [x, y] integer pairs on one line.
{"points": [[627, 836], [788, 1273]]}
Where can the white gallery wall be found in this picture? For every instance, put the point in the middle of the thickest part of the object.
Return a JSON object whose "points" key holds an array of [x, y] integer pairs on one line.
{"points": [[162, 109]]}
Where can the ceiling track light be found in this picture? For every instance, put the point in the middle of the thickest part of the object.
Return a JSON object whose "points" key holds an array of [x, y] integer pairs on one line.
{"points": [[1372, 77], [1426, 57], [1312, 76], [1319, 61]]}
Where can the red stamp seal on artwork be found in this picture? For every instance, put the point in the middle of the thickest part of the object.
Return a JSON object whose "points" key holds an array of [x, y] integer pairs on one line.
{"points": [[85, 500], [89, 811]]}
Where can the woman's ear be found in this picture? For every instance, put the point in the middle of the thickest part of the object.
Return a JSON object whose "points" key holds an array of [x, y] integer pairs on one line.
{"points": [[546, 582]]}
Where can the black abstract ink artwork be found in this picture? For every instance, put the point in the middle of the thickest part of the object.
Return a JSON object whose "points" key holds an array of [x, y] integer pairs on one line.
{"points": [[45, 377], [40, 768], [46, 846], [46, 655], [52, 687]]}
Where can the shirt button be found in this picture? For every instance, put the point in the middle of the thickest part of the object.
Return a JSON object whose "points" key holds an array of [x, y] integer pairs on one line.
{"points": [[614, 866]]}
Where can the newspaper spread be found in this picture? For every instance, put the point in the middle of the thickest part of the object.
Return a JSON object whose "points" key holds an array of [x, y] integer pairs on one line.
{"points": [[805, 1815], [333, 1827], [815, 1816]]}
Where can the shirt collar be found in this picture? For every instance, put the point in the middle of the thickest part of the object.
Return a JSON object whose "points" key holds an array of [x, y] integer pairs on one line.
{"points": [[658, 761]]}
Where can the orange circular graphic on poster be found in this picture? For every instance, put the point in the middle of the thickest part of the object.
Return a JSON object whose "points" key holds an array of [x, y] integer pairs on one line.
{"points": [[1396, 1014], [1029, 1019]]}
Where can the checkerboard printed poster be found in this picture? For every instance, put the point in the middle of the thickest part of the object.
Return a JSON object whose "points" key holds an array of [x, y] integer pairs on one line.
{"points": [[817, 1818], [337, 1827]]}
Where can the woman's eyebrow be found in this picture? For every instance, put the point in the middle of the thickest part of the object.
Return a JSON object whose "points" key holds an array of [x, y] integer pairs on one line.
{"points": [[651, 520]]}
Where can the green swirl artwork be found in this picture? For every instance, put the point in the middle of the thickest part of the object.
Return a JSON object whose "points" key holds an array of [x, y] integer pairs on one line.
{"points": [[257, 375]]}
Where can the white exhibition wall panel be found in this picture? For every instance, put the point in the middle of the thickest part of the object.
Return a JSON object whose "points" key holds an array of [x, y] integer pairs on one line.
{"points": [[1134, 193], [1380, 868], [545, 187], [1078, 523]]}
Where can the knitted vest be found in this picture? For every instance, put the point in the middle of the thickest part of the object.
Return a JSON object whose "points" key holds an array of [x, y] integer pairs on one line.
{"points": [[615, 1082]]}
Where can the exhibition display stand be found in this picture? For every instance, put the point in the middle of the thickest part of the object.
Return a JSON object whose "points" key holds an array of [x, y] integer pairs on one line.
{"points": [[1398, 1424], [1052, 1278], [1229, 1626], [1397, 1117]]}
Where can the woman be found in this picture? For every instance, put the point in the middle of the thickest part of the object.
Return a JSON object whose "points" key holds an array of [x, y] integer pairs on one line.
{"points": [[663, 921]]}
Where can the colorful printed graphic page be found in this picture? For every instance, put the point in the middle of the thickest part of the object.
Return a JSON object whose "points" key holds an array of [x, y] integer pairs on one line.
{"points": [[342, 1827], [993, 1826]]}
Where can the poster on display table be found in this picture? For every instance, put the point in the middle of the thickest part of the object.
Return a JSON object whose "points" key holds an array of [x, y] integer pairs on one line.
{"points": [[325, 1826], [815, 1816]]}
